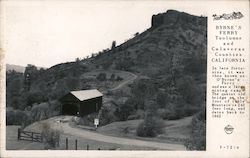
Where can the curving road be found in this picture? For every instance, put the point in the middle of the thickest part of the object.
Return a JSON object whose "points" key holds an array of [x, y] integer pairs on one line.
{"points": [[130, 80], [117, 140]]}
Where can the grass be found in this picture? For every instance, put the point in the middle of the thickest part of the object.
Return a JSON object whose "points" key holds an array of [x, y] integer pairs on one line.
{"points": [[95, 145], [13, 144], [174, 129]]}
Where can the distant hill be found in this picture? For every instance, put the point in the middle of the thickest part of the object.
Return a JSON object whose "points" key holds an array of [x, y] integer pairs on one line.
{"points": [[16, 68]]}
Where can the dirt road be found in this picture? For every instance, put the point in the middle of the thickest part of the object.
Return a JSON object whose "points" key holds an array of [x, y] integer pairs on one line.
{"points": [[130, 80], [117, 140], [63, 125]]}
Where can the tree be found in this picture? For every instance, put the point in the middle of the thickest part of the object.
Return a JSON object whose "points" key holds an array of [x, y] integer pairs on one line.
{"points": [[71, 82], [112, 77], [77, 60], [30, 74], [190, 90], [150, 127], [40, 112], [51, 136], [143, 89], [124, 110], [17, 117], [124, 64], [106, 116], [197, 140], [35, 97], [113, 45], [106, 64], [162, 99], [136, 34]]}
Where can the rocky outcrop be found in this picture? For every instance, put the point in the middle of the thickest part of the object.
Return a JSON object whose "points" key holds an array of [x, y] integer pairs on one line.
{"points": [[176, 17]]}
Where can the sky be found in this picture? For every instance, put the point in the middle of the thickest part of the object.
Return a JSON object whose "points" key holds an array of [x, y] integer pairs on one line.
{"points": [[46, 33]]}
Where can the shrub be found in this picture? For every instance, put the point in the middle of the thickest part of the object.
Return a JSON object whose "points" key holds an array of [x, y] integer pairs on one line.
{"points": [[101, 77], [124, 110], [35, 97], [55, 108], [112, 77], [10, 117], [17, 117], [143, 89], [88, 120], [109, 92], [118, 78], [190, 90], [163, 113], [161, 99], [106, 116], [40, 112], [172, 111], [150, 127], [106, 64], [50, 136], [124, 64]]}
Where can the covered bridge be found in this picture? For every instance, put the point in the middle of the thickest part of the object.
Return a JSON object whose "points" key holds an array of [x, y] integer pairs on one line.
{"points": [[81, 103]]}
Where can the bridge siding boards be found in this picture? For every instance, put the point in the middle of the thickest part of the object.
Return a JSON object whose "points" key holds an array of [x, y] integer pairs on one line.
{"points": [[81, 103]]}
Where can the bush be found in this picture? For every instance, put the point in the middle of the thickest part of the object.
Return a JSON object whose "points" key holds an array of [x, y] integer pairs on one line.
{"points": [[44, 110], [35, 97], [51, 136], [143, 89], [124, 110], [106, 116], [150, 127], [55, 108], [17, 117], [172, 111], [112, 77], [40, 112], [162, 99], [101, 77], [88, 120], [124, 64], [10, 117], [106, 64], [118, 78], [190, 90]]}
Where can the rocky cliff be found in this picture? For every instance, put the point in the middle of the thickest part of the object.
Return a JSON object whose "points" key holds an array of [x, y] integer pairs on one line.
{"points": [[172, 17]]}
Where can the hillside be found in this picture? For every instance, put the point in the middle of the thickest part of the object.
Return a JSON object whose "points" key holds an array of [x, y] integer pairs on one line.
{"points": [[160, 74], [173, 40]]}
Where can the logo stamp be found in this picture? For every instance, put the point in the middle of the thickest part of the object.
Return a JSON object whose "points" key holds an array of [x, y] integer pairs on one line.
{"points": [[229, 129], [230, 16]]}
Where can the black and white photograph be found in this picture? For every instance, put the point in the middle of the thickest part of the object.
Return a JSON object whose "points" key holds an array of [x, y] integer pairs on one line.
{"points": [[107, 75]]}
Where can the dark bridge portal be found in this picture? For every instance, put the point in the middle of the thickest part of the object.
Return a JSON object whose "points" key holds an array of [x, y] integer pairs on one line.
{"points": [[70, 109], [81, 103]]}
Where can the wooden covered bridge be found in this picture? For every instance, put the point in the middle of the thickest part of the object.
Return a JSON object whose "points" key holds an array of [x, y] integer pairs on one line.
{"points": [[81, 103]]}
